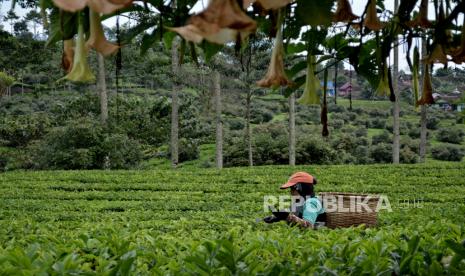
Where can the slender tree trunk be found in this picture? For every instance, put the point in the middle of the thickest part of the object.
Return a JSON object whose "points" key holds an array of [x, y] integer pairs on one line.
{"points": [[102, 88], [292, 129], [219, 123], [350, 89], [423, 113], [335, 82], [174, 105], [396, 104], [248, 128]]}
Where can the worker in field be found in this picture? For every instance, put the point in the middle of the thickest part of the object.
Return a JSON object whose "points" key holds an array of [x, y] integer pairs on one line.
{"points": [[306, 210]]}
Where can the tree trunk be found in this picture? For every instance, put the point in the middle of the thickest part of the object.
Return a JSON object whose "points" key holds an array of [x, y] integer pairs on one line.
{"points": [[423, 112], [248, 128], [292, 129], [102, 88], [396, 104], [174, 105], [335, 82], [219, 123], [350, 89]]}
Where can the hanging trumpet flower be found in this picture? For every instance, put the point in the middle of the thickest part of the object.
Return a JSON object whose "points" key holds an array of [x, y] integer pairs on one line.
{"points": [[421, 20], [223, 21], [267, 4], [344, 12], [458, 55], [383, 85], [97, 39], [68, 55], [427, 93], [371, 21], [80, 71], [415, 75], [312, 84], [438, 55], [275, 76], [100, 6]]}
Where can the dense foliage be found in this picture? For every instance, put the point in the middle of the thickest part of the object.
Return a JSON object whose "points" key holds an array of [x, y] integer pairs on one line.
{"points": [[203, 222]]}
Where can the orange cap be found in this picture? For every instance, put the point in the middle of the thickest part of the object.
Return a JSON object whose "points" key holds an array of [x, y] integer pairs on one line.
{"points": [[298, 177]]}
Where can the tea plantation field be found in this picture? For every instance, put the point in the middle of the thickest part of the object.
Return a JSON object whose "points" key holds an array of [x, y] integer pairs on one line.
{"points": [[203, 222]]}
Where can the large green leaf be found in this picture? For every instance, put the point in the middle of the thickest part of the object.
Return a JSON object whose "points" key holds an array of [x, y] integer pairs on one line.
{"points": [[315, 13], [63, 26]]}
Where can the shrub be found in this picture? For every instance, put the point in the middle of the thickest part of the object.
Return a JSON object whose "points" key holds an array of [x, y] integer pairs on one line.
{"points": [[3, 159], [461, 117], [19, 130], [407, 156], [270, 149], [235, 123], [381, 153], [377, 123], [358, 110], [384, 137], [360, 122], [336, 123], [450, 135], [412, 144], [345, 142], [74, 146], [362, 155], [121, 152], [188, 150], [432, 122], [235, 151], [306, 115], [260, 115], [361, 132], [83, 144], [313, 150], [333, 108], [378, 113], [447, 153], [269, 143], [404, 127]]}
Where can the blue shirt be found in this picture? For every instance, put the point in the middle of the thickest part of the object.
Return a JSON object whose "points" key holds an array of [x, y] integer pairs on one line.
{"points": [[311, 209]]}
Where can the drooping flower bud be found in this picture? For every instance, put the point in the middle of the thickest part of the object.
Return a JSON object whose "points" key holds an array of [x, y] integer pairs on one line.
{"points": [[80, 72], [312, 84], [267, 4], [100, 6], [383, 85], [108, 6], [275, 76], [71, 5], [437, 55], [421, 20], [458, 55], [427, 91], [344, 12], [221, 22], [97, 38], [371, 21]]}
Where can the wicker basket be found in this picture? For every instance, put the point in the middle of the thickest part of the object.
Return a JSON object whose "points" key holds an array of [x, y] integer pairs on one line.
{"points": [[349, 209]]}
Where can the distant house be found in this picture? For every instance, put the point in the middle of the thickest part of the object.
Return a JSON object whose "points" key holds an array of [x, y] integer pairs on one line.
{"points": [[345, 89], [449, 102], [329, 88]]}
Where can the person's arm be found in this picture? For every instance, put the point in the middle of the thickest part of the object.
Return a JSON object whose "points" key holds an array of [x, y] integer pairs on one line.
{"points": [[295, 220]]}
